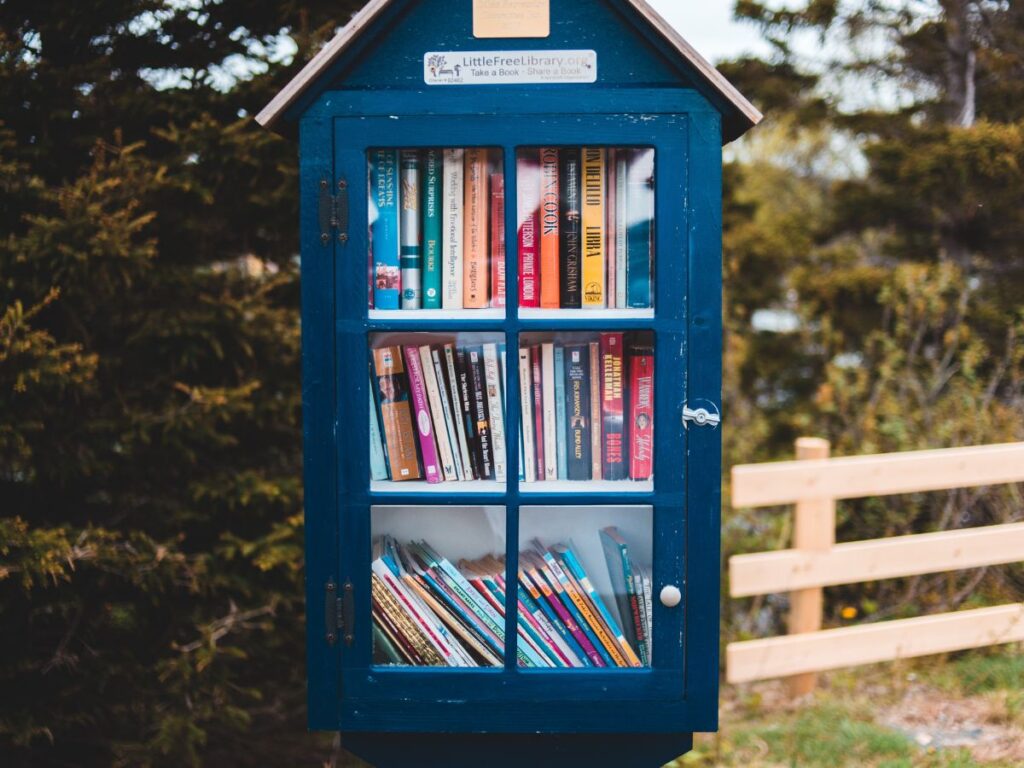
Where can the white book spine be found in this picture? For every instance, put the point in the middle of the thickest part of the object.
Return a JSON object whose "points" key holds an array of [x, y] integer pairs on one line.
{"points": [[526, 415], [649, 610], [460, 424], [452, 228], [621, 229], [547, 364], [496, 410], [436, 357], [437, 415]]}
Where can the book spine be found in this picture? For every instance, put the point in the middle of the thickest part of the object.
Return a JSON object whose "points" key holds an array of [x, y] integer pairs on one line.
{"points": [[405, 605], [570, 244], [577, 378], [457, 411], [481, 413], [636, 617], [378, 462], [539, 437], [452, 233], [621, 225], [596, 438], [436, 410], [570, 649], [560, 414], [444, 392], [384, 199], [649, 610], [396, 414], [469, 411], [529, 455], [641, 406], [475, 276], [528, 194], [566, 611], [547, 363], [574, 601], [433, 198], [421, 409], [551, 637], [497, 239], [495, 410], [613, 463], [640, 243], [550, 228], [409, 232], [593, 227], [617, 562]]}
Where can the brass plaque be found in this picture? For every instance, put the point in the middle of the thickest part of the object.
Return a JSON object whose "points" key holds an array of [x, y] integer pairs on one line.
{"points": [[511, 18]]}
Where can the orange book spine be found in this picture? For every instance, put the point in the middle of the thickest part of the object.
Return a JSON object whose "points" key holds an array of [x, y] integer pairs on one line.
{"points": [[550, 295], [476, 272]]}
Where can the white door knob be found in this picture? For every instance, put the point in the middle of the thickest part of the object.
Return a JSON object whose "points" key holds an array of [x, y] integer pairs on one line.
{"points": [[671, 596]]}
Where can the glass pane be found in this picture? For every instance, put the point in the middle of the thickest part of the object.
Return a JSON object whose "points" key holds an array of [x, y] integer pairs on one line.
{"points": [[586, 228], [438, 586], [437, 229], [587, 405], [437, 414], [585, 584]]}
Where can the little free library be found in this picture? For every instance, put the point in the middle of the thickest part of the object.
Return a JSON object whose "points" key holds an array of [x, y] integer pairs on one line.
{"points": [[511, 321]]}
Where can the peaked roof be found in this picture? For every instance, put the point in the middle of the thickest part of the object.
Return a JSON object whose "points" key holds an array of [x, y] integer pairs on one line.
{"points": [[364, 19]]}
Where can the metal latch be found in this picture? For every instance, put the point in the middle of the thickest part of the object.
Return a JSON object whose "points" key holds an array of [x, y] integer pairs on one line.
{"points": [[702, 417], [333, 211], [339, 612]]}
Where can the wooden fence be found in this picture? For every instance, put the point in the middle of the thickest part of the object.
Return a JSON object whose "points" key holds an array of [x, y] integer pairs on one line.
{"points": [[814, 482]]}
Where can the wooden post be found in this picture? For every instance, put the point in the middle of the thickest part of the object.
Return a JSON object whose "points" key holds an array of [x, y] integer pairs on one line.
{"points": [[814, 530]]}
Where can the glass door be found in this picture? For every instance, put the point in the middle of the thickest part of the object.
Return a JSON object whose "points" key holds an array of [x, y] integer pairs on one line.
{"points": [[511, 473]]}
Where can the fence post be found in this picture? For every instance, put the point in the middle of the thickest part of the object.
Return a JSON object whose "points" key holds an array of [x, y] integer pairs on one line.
{"points": [[814, 529]]}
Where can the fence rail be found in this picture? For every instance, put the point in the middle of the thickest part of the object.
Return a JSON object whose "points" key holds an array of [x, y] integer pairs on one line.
{"points": [[814, 482]]}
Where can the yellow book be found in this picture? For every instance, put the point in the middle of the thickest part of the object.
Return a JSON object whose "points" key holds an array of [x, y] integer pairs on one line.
{"points": [[475, 279], [594, 172]]}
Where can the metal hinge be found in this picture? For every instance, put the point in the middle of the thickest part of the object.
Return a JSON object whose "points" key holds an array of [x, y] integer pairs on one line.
{"points": [[333, 211], [339, 613], [703, 416]]}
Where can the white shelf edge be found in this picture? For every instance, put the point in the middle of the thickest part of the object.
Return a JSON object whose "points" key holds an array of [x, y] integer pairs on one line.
{"points": [[424, 488], [437, 314], [585, 486], [526, 313]]}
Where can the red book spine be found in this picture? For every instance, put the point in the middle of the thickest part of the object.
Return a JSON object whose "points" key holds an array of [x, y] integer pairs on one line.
{"points": [[641, 393], [497, 239], [538, 408], [613, 460], [528, 181]]}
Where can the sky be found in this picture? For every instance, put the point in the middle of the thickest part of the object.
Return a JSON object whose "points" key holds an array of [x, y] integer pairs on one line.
{"points": [[709, 27]]}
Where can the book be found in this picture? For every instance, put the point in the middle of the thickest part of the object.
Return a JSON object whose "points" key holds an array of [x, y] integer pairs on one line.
{"points": [[568, 608], [396, 414], [559, 613], [448, 412], [378, 461], [577, 384], [421, 415], [596, 426], [410, 232], [547, 362], [497, 239], [476, 242], [640, 233], [481, 413], [384, 202], [593, 218], [614, 465], [640, 356], [528, 194], [561, 428], [539, 438], [621, 225], [453, 230], [645, 577], [620, 572], [529, 455], [495, 407], [453, 383], [468, 401], [570, 244], [611, 206], [550, 228], [436, 412], [433, 222]]}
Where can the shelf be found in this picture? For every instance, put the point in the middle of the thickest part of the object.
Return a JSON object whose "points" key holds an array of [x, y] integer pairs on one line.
{"points": [[585, 314], [586, 486], [421, 487], [436, 315]]}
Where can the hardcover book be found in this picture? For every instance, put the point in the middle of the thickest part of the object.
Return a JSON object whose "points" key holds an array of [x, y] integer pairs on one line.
{"points": [[497, 239], [528, 180], [433, 222], [613, 461], [453, 229], [409, 232], [550, 227], [396, 413], [384, 199], [421, 414], [593, 227], [641, 406], [468, 402], [476, 276], [570, 243], [577, 378]]}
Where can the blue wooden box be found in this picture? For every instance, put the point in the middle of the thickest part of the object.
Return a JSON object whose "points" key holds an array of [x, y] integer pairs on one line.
{"points": [[368, 89]]}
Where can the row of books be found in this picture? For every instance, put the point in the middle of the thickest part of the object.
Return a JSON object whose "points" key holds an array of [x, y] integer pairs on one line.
{"points": [[588, 408], [437, 413], [428, 611], [437, 229], [586, 227]]}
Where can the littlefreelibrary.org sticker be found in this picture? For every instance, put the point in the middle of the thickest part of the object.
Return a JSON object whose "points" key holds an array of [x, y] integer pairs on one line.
{"points": [[509, 67]]}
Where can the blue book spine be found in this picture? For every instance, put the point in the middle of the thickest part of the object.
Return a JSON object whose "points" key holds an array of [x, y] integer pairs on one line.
{"points": [[541, 604], [410, 232], [640, 235], [384, 194], [378, 464], [432, 224], [562, 452]]}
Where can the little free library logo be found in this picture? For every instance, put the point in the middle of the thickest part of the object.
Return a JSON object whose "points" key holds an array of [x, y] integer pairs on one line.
{"points": [[509, 67]]}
